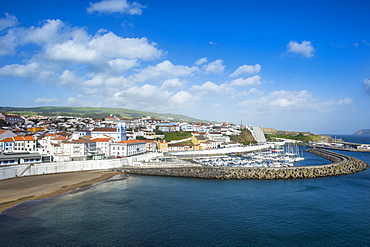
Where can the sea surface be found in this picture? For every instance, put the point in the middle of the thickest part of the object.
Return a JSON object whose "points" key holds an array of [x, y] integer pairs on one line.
{"points": [[164, 211]]}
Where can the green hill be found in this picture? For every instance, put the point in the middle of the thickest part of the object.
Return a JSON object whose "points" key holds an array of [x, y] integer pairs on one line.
{"points": [[95, 112]]}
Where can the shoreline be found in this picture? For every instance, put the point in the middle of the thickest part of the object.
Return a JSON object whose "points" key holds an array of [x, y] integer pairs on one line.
{"points": [[18, 190]]}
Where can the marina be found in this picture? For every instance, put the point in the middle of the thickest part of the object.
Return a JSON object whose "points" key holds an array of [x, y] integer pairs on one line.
{"points": [[284, 157]]}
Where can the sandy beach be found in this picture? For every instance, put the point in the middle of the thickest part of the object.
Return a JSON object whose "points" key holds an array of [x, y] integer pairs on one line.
{"points": [[17, 190]]}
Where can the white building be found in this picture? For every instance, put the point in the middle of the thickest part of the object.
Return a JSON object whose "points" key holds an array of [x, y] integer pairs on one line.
{"points": [[50, 144], [18, 144], [257, 132], [7, 144], [78, 149], [103, 145], [127, 148], [118, 133]]}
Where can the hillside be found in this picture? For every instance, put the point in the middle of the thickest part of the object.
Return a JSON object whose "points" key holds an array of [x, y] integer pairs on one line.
{"points": [[364, 132], [95, 112]]}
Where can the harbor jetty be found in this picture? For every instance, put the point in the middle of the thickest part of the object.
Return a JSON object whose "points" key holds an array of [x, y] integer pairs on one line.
{"points": [[342, 165]]}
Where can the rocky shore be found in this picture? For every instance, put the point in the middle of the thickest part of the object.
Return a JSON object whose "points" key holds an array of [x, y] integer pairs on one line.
{"points": [[343, 165]]}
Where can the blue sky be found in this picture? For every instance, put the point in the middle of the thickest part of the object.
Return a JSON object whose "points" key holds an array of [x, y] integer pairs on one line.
{"points": [[290, 65]]}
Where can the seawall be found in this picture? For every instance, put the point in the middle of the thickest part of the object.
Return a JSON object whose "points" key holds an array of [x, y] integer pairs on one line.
{"points": [[343, 165]]}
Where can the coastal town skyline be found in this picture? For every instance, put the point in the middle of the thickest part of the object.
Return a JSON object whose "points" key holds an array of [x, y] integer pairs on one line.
{"points": [[291, 66]]}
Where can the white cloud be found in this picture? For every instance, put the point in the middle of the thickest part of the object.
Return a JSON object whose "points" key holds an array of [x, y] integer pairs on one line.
{"points": [[305, 48], [246, 69], [68, 78], [59, 42], [146, 97], [116, 6], [19, 70], [208, 88], [174, 83], [292, 101], [103, 47], [201, 61], [120, 64], [344, 101], [72, 52], [62, 49], [8, 21], [152, 98], [181, 98], [45, 100], [52, 31], [8, 44], [79, 101], [108, 82], [164, 69], [240, 82], [112, 46], [366, 85], [216, 67], [252, 91]]}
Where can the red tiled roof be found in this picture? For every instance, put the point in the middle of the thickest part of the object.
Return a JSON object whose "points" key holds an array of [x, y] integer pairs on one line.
{"points": [[18, 138], [29, 138], [59, 138], [104, 130], [101, 139], [7, 140]]}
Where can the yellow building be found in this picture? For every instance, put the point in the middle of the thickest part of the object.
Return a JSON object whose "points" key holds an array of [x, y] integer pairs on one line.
{"points": [[198, 139], [35, 129], [162, 146]]}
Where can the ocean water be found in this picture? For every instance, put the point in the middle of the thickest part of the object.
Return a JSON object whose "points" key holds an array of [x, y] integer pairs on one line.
{"points": [[161, 211]]}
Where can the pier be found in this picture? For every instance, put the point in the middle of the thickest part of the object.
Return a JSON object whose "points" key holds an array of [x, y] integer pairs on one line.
{"points": [[342, 165], [344, 146]]}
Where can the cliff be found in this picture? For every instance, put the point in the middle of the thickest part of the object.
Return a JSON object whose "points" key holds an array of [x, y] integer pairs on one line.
{"points": [[364, 132]]}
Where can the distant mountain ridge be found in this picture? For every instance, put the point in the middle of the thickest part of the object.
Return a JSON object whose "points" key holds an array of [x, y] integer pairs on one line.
{"points": [[364, 132], [95, 112]]}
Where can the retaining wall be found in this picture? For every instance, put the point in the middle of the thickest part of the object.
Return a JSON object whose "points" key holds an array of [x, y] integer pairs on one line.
{"points": [[343, 165], [57, 167], [11, 171]]}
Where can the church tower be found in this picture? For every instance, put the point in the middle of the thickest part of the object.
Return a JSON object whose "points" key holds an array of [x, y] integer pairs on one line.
{"points": [[121, 130]]}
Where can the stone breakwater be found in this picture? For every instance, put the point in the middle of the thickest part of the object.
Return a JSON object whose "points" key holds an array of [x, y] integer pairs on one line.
{"points": [[342, 165]]}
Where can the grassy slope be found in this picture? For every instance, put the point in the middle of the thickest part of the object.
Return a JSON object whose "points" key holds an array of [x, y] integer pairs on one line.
{"points": [[126, 113]]}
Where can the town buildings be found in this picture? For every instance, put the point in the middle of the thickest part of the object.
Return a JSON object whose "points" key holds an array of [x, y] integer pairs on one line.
{"points": [[63, 138]]}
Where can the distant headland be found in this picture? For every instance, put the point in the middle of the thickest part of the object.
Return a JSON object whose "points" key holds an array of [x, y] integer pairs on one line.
{"points": [[364, 132]]}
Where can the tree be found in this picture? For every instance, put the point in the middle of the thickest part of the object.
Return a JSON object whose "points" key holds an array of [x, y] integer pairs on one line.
{"points": [[3, 123]]}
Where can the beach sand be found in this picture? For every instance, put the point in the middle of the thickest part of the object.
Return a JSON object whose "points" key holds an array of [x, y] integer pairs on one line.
{"points": [[17, 190]]}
